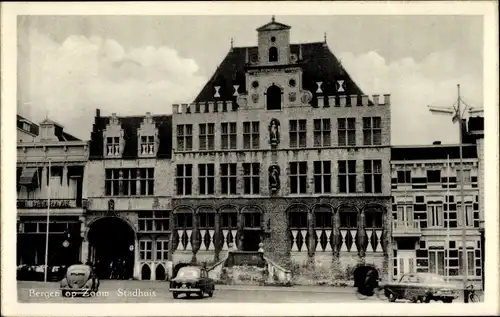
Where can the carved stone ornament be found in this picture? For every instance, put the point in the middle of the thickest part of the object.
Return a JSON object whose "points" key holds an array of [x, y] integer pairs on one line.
{"points": [[274, 178], [274, 132], [306, 97], [255, 98], [111, 205], [241, 101], [292, 96]]}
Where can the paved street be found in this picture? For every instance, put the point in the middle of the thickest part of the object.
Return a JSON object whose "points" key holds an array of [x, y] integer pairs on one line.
{"points": [[157, 292]]}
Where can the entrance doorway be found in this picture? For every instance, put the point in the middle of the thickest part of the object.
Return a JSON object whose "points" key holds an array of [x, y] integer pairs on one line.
{"points": [[406, 262], [110, 239], [251, 239]]}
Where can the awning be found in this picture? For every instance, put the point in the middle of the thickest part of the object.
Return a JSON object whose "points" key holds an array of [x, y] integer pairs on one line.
{"points": [[29, 177]]}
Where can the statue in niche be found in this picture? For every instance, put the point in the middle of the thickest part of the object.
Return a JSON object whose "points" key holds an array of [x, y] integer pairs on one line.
{"points": [[255, 98], [274, 178], [274, 132]]}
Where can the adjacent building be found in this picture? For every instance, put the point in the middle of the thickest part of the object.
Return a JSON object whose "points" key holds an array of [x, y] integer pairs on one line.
{"points": [[427, 207], [50, 176], [282, 150], [129, 205]]}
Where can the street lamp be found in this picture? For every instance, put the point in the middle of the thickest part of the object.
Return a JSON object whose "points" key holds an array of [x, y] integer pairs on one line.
{"points": [[457, 116]]}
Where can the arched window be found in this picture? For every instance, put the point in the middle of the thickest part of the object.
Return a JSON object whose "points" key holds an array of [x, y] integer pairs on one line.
{"points": [[297, 217], [323, 217], [273, 98], [273, 54], [373, 217], [348, 217]]}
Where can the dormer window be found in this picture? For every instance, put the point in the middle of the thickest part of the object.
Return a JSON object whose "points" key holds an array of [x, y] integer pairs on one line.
{"points": [[273, 54], [148, 145], [113, 146], [147, 137]]}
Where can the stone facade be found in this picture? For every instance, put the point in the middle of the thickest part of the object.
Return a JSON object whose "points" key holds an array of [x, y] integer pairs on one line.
{"points": [[300, 94]]}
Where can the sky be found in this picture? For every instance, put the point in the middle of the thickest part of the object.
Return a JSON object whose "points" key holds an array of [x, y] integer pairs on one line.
{"points": [[70, 65]]}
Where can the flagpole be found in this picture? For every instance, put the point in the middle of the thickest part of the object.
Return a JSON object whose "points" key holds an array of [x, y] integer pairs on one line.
{"points": [[462, 205], [448, 220], [47, 230]]}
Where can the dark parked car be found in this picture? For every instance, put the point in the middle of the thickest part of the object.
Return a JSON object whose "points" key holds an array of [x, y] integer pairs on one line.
{"points": [[80, 279], [421, 287], [192, 279]]}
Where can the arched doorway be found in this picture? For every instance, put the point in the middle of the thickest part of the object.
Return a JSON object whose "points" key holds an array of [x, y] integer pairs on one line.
{"points": [[110, 240], [360, 273], [160, 273]]}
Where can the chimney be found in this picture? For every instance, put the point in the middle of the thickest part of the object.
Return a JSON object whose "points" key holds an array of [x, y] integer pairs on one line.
{"points": [[436, 143], [98, 113]]}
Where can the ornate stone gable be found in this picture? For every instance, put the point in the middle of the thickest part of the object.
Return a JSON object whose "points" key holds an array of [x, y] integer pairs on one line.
{"points": [[114, 141], [148, 141]]}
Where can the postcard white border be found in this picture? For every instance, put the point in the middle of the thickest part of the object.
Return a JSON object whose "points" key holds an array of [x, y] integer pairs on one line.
{"points": [[487, 9]]}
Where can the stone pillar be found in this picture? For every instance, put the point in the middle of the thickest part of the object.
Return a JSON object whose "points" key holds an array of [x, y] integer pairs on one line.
{"points": [[84, 247], [336, 241], [195, 239], [239, 233], [361, 239], [310, 241], [137, 267], [171, 228], [217, 236], [65, 183]]}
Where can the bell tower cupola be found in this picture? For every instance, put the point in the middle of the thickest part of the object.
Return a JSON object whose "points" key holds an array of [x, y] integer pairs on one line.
{"points": [[274, 43]]}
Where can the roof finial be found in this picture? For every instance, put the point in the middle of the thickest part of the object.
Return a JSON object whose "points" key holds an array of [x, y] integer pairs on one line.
{"points": [[232, 42], [325, 37], [273, 19]]}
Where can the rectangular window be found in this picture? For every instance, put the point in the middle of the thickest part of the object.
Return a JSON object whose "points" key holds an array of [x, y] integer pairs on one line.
{"points": [[346, 131], [251, 178], [251, 135], [298, 133], [435, 215], [469, 213], [436, 262], [129, 182], [372, 131], [467, 176], [113, 146], [322, 132], [206, 179], [157, 221], [471, 268], [322, 177], [207, 136], [184, 179], [298, 177], [146, 249], [347, 176], [404, 177], [373, 176], [162, 250], [184, 137], [228, 178], [434, 176], [228, 135], [147, 145]]}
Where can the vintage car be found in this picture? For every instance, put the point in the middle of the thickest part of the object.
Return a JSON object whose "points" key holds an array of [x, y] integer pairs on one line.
{"points": [[192, 279], [421, 287], [80, 279]]}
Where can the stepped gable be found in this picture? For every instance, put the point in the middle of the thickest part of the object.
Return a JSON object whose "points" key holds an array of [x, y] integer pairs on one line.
{"points": [[318, 64], [130, 125]]}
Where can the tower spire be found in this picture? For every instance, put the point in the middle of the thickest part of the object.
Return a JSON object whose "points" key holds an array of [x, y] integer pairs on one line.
{"points": [[273, 19]]}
